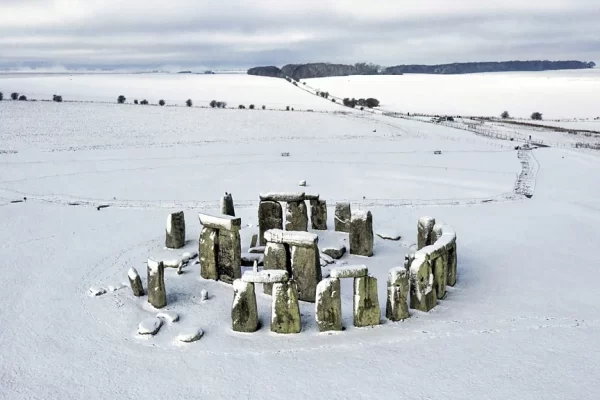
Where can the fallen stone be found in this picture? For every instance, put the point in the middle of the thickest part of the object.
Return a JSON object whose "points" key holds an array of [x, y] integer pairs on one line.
{"points": [[190, 335], [96, 291], [343, 216], [386, 236], [350, 271], [227, 205], [173, 263], [328, 307], [301, 239], [244, 314], [175, 232], [230, 256], [397, 294], [296, 216], [361, 233], [225, 222], [276, 258], [334, 252], [270, 216], [302, 183], [285, 313], [422, 291], [282, 196], [318, 215], [328, 260], [188, 255], [135, 282], [168, 316], [306, 271], [208, 253], [150, 326], [266, 276], [424, 232], [203, 295], [157, 294], [366, 302], [257, 250]]}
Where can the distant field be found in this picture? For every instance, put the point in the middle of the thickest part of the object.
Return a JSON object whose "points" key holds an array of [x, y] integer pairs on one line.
{"points": [[556, 94]]}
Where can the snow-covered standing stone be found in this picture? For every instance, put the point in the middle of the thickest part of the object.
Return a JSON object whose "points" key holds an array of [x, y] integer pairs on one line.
{"points": [[318, 214], [439, 267], [150, 326], [276, 258], [361, 233], [230, 256], [157, 294], [203, 295], [366, 302], [244, 314], [452, 263], [296, 216], [425, 232], [253, 242], [135, 282], [208, 253], [227, 205], [270, 216], [343, 215], [328, 307], [306, 271], [219, 222], [397, 294], [175, 232], [285, 313], [422, 291]]}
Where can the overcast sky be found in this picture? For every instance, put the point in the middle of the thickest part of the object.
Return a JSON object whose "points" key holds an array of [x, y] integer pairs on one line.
{"points": [[142, 34]]}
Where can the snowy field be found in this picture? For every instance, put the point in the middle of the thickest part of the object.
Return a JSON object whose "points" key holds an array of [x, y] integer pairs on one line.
{"points": [[556, 94], [521, 323]]}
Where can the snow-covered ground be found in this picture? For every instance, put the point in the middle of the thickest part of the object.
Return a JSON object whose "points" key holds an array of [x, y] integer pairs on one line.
{"points": [[522, 321], [556, 94]]}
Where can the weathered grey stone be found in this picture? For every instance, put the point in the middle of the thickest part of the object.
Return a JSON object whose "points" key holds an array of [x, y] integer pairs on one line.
{"points": [[227, 205], [343, 215], [296, 216], [157, 294], [257, 250], [366, 302], [150, 326], [277, 258], [397, 294], [220, 222], [244, 313], [328, 307], [349, 271], [293, 238], [175, 232], [361, 233], [270, 216], [306, 271], [425, 235], [248, 259], [422, 292], [436, 232], [283, 197], [335, 252], [135, 282], [285, 313], [266, 276], [439, 268], [253, 241], [318, 214], [230, 256], [311, 196], [208, 253], [452, 264]]}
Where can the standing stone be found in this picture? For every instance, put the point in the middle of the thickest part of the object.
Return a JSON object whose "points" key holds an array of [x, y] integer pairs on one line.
{"points": [[270, 216], [175, 232], [229, 258], [439, 267], [306, 271], [318, 214], [452, 263], [157, 294], [422, 291], [343, 216], [366, 302], [361, 233], [135, 282], [296, 216], [276, 257], [253, 241], [285, 313], [227, 205], [208, 253], [425, 232], [328, 307], [244, 313], [397, 294]]}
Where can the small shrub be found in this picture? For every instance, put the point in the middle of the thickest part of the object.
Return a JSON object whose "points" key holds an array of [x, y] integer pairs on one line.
{"points": [[287, 108], [144, 102], [536, 116], [136, 102], [264, 107], [121, 99], [371, 102], [505, 115], [14, 96], [57, 98], [1, 96], [161, 102], [251, 106], [333, 101], [223, 104], [242, 107], [213, 103], [362, 108], [188, 102], [292, 108], [22, 98]]}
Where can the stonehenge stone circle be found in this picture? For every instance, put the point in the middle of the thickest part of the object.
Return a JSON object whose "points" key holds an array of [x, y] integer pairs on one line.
{"points": [[175, 232], [328, 305], [135, 282], [425, 232], [244, 313], [157, 295], [270, 216], [227, 205], [296, 216], [276, 258], [285, 313], [318, 214], [343, 215], [397, 294], [366, 302], [361, 233], [208, 252]]}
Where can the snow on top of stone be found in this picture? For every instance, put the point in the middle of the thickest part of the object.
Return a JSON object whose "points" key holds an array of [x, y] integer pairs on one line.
{"points": [[282, 196], [220, 221], [291, 237], [360, 214], [266, 276], [435, 250], [168, 316], [349, 271], [312, 196], [169, 223], [240, 285], [190, 335], [149, 326], [132, 273], [153, 266], [398, 273]]}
